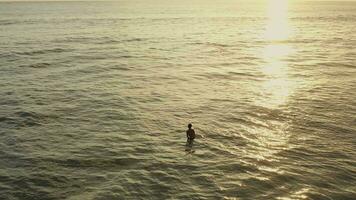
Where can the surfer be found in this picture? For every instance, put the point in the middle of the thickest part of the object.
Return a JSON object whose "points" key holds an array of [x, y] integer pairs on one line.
{"points": [[190, 139], [190, 133]]}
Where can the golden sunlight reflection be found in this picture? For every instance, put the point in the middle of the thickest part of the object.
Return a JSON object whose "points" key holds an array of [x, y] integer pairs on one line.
{"points": [[277, 24], [277, 87], [299, 194]]}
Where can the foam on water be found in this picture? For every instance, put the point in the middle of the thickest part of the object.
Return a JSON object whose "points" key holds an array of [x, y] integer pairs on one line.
{"points": [[95, 98]]}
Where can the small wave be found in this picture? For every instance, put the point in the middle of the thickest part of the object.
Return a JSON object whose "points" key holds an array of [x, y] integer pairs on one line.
{"points": [[236, 167], [95, 20], [99, 40], [121, 67], [26, 119], [26, 114], [217, 44], [287, 41], [107, 41], [229, 75], [338, 65], [210, 44], [7, 22], [99, 163], [134, 40], [196, 43], [73, 39], [37, 65], [43, 51], [4, 119], [298, 154], [31, 185], [9, 56], [242, 74], [325, 18]]}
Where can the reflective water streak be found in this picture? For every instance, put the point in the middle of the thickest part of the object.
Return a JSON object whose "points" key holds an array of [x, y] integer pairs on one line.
{"points": [[275, 90], [277, 87]]}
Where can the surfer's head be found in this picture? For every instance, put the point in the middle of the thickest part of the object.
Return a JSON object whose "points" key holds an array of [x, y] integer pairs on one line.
{"points": [[189, 126]]}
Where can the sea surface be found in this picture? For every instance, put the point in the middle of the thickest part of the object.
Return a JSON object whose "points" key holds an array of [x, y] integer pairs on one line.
{"points": [[96, 96]]}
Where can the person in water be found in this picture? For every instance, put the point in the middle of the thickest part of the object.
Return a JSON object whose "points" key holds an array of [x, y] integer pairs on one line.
{"points": [[190, 133]]}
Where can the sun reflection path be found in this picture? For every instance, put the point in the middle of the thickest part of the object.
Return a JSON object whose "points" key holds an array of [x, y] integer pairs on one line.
{"points": [[277, 24], [277, 87]]}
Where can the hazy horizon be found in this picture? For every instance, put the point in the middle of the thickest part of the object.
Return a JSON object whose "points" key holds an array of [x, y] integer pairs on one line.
{"points": [[190, 1]]}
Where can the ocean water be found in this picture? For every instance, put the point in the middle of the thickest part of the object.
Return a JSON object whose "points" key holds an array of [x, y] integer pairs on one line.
{"points": [[96, 97]]}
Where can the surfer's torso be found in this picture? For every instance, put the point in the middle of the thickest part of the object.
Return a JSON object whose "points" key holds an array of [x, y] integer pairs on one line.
{"points": [[190, 134]]}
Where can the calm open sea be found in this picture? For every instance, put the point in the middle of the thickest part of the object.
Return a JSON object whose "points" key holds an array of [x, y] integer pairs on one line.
{"points": [[96, 96]]}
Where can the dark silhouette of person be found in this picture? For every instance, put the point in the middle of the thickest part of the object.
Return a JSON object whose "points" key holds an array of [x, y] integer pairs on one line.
{"points": [[190, 133]]}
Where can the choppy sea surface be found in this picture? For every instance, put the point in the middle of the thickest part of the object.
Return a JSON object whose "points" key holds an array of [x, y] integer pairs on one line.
{"points": [[96, 96]]}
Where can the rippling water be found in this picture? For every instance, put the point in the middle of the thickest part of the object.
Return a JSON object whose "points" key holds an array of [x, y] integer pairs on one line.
{"points": [[95, 98]]}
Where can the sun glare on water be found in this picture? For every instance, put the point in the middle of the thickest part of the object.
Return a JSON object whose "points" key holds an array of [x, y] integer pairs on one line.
{"points": [[277, 25], [278, 87]]}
